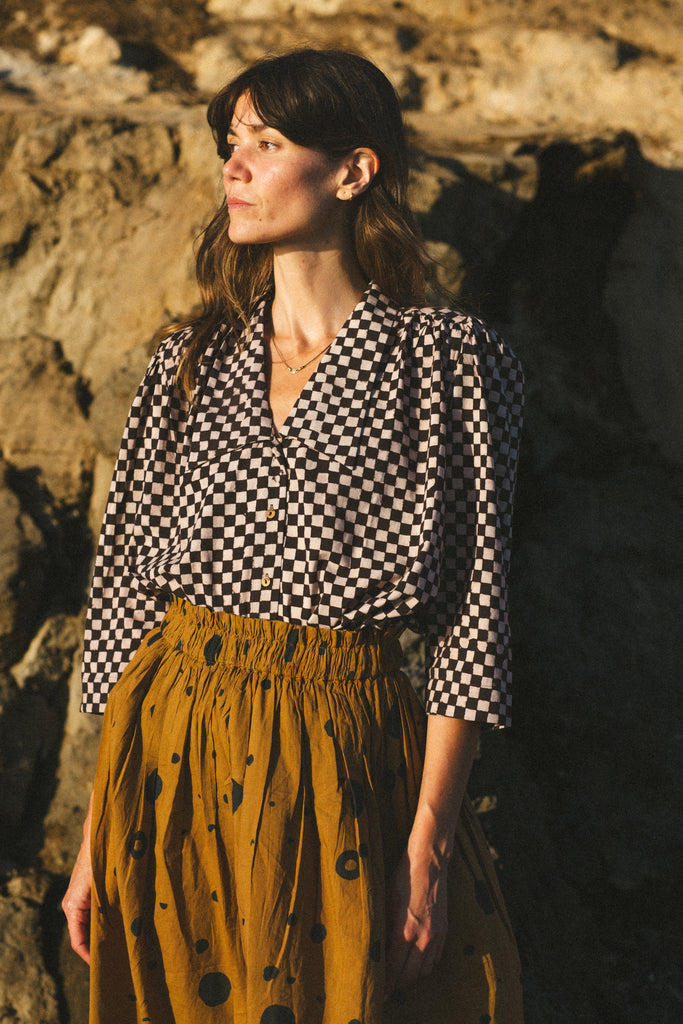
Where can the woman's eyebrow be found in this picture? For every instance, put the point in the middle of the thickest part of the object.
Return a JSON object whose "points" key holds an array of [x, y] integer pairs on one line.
{"points": [[255, 126]]}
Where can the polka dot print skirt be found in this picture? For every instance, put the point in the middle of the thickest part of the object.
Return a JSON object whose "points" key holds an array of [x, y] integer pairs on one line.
{"points": [[255, 788]]}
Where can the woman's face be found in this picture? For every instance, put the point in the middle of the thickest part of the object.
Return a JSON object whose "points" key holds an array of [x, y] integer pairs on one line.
{"points": [[279, 192]]}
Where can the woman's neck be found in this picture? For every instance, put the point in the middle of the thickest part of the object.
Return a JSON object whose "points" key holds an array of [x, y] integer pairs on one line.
{"points": [[314, 294]]}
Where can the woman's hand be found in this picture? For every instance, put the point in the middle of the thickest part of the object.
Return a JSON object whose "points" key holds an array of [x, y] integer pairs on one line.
{"points": [[76, 902], [418, 921]]}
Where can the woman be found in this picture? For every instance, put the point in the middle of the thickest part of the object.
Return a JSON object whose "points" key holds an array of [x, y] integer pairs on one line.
{"points": [[313, 465]]}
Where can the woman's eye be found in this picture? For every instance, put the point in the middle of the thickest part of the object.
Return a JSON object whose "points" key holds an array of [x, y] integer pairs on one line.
{"points": [[268, 145]]}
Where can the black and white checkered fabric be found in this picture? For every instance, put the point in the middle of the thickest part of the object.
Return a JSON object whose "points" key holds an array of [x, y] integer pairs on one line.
{"points": [[386, 498]]}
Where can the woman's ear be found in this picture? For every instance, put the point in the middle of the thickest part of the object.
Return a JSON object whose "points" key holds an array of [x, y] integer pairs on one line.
{"points": [[358, 170]]}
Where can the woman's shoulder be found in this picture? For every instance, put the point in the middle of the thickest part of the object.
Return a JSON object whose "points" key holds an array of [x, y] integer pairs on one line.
{"points": [[174, 341], [168, 352], [467, 348], [454, 332]]}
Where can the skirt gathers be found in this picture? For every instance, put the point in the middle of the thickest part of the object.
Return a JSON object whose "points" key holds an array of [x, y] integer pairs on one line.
{"points": [[255, 789]]}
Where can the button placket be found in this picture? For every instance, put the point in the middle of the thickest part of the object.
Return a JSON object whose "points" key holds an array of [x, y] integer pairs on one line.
{"points": [[274, 516]]}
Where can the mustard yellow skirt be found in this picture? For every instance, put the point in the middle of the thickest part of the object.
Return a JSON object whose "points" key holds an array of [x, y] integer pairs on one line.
{"points": [[255, 790]]}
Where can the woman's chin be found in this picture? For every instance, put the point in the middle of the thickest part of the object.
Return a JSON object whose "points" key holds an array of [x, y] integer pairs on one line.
{"points": [[243, 236]]}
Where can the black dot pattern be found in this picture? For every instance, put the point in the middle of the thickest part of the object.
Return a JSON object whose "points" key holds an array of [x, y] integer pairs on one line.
{"points": [[214, 988], [137, 845], [275, 847], [212, 649], [153, 786], [277, 1014], [348, 865]]}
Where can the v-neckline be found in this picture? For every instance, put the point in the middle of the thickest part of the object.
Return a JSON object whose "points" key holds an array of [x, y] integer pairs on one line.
{"points": [[281, 431]]}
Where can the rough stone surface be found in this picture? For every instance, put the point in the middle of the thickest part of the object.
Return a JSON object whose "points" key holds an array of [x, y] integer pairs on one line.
{"points": [[22, 576], [11, 540], [93, 50], [648, 261], [28, 993], [74, 778], [47, 434], [31, 733], [547, 176]]}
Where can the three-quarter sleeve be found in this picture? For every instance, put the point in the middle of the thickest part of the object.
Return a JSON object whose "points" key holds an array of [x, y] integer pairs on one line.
{"points": [[468, 637], [137, 521]]}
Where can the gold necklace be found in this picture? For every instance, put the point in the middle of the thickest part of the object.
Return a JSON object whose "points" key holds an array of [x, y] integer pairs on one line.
{"points": [[297, 369]]}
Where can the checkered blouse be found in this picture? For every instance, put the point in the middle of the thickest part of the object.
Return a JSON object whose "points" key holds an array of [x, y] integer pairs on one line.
{"points": [[386, 498]]}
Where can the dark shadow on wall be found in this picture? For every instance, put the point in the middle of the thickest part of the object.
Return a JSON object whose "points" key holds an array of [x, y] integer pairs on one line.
{"points": [[588, 779]]}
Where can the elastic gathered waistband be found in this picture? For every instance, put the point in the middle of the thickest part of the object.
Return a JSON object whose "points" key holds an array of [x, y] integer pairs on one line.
{"points": [[282, 648]]}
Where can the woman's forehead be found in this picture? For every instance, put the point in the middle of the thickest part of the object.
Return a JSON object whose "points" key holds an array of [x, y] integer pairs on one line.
{"points": [[244, 114]]}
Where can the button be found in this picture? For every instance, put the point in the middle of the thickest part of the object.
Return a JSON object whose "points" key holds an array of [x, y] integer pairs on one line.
{"points": [[270, 514], [266, 581]]}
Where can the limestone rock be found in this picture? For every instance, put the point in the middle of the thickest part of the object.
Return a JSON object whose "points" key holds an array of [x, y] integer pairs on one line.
{"points": [[63, 832], [22, 578], [30, 736], [48, 470], [10, 561], [249, 9], [121, 181], [112, 399], [71, 83], [93, 50], [43, 429], [27, 991], [213, 62]]}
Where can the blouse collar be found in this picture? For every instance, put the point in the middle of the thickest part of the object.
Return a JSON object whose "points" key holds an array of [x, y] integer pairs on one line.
{"points": [[335, 402]]}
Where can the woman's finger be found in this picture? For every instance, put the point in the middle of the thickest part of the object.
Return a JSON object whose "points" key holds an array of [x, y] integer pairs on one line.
{"points": [[76, 906], [78, 924]]}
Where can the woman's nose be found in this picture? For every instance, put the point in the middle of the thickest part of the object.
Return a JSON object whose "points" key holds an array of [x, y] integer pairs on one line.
{"points": [[235, 167]]}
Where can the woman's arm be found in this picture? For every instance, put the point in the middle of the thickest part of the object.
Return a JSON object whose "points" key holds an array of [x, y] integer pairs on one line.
{"points": [[418, 911], [76, 902]]}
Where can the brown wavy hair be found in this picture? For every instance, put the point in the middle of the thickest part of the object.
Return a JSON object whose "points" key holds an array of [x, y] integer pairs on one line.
{"points": [[332, 101]]}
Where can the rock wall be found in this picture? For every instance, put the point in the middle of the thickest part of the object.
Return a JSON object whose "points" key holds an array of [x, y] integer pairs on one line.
{"points": [[547, 158]]}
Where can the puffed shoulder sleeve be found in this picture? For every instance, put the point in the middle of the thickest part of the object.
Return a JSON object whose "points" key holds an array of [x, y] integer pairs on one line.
{"points": [[138, 516], [468, 636]]}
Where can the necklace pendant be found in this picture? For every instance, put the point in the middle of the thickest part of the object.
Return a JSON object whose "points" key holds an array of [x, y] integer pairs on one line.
{"points": [[294, 369]]}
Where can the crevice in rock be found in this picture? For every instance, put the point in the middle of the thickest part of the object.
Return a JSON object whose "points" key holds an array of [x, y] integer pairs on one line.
{"points": [[13, 253], [58, 571]]}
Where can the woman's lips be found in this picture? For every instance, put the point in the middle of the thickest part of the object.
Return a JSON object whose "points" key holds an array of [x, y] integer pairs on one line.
{"points": [[237, 204]]}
